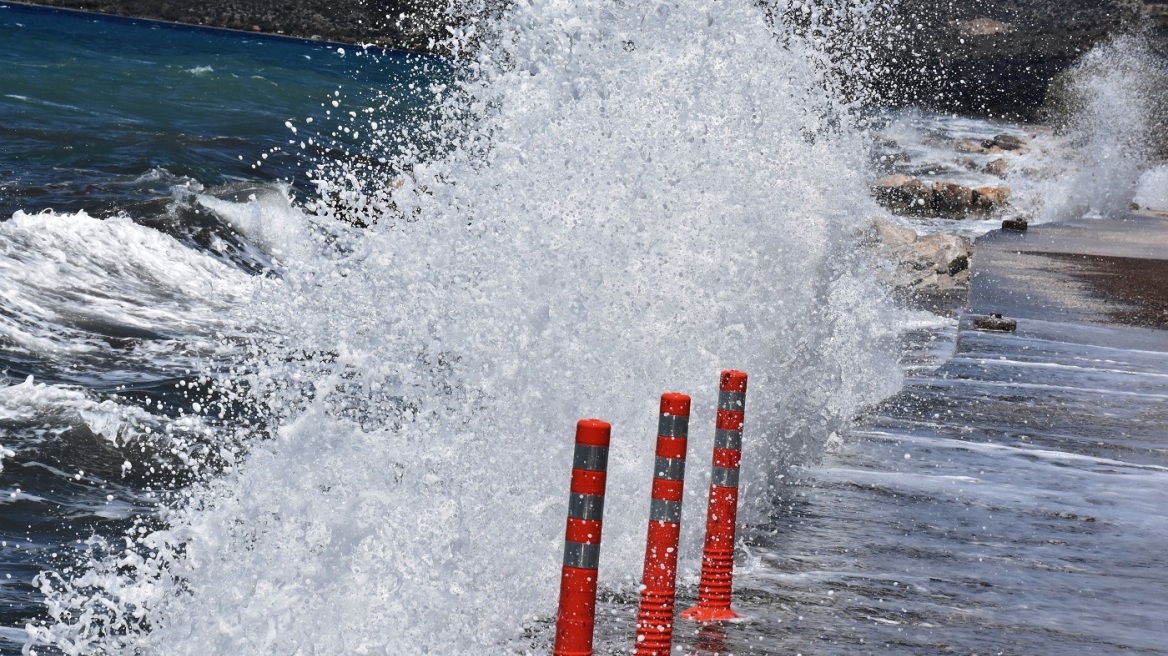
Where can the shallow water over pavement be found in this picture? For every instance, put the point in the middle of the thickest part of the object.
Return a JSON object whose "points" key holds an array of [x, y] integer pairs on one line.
{"points": [[1011, 499]]}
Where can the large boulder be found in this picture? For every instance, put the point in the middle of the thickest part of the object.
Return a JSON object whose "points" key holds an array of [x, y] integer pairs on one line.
{"points": [[952, 200], [907, 260], [1006, 142], [904, 194], [990, 199], [996, 167]]}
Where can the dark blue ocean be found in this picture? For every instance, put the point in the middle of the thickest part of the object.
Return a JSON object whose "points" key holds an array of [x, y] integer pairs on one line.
{"points": [[100, 112], [128, 121]]}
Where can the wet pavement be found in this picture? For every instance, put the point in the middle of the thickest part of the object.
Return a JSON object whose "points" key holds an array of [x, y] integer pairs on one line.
{"points": [[1011, 499]]}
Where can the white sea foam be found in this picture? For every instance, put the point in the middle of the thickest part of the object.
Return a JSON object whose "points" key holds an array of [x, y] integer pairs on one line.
{"points": [[641, 196], [1112, 95], [70, 281], [70, 406], [268, 220], [1152, 189]]}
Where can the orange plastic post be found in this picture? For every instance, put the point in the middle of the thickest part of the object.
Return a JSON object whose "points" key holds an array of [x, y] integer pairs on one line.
{"points": [[577, 614], [718, 555], [659, 582]]}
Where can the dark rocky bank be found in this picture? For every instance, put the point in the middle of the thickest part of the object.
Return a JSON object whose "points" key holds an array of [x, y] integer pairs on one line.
{"points": [[974, 57], [398, 24], [998, 57]]}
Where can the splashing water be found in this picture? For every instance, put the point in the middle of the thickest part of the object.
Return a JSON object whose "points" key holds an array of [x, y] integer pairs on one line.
{"points": [[634, 197], [1116, 97]]}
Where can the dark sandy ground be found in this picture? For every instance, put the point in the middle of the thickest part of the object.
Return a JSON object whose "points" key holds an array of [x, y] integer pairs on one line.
{"points": [[1102, 271], [1140, 284]]}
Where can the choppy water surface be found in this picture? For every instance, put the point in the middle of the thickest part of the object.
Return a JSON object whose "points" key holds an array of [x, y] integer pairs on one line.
{"points": [[324, 405], [97, 112]]}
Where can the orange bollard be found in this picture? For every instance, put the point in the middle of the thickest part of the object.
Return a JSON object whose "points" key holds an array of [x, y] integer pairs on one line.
{"points": [[659, 582], [577, 614], [718, 555]]}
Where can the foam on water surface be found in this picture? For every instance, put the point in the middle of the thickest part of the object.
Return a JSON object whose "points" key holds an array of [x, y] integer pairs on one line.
{"points": [[76, 288], [1152, 189]]}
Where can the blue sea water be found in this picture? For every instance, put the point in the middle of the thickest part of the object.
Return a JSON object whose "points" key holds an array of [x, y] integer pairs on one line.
{"points": [[97, 112], [127, 121]]}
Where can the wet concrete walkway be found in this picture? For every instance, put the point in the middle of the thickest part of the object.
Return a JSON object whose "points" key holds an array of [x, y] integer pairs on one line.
{"points": [[1013, 498], [1088, 271]]}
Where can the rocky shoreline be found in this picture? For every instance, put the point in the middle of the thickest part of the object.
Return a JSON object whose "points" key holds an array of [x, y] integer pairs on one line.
{"points": [[407, 25], [932, 268]]}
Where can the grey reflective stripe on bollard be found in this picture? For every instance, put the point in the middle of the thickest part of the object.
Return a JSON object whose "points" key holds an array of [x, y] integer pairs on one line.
{"points": [[665, 511], [728, 439], [586, 506], [579, 554], [670, 469], [673, 426], [732, 401], [594, 458], [725, 477]]}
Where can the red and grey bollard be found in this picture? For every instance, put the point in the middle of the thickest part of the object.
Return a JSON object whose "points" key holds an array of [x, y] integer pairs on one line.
{"points": [[577, 613], [718, 555], [659, 583]]}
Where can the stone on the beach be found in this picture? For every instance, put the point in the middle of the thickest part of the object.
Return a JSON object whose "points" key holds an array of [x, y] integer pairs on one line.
{"points": [[917, 261], [969, 146], [995, 323], [989, 199], [1006, 142], [904, 194], [896, 237], [996, 167], [947, 254], [983, 27], [1014, 225], [951, 199]]}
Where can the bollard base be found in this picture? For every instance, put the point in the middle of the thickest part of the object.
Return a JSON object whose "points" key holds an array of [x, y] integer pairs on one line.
{"points": [[699, 614]]}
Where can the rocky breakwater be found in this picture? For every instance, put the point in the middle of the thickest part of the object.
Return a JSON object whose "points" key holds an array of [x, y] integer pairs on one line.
{"points": [[937, 260], [908, 260], [910, 196]]}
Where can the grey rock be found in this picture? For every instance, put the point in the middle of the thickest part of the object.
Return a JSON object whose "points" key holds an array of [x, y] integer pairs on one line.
{"points": [[904, 194], [1006, 142], [996, 167], [908, 260], [995, 323]]}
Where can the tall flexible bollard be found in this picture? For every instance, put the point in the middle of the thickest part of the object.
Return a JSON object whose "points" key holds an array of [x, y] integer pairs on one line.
{"points": [[659, 582], [718, 555], [577, 614]]}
